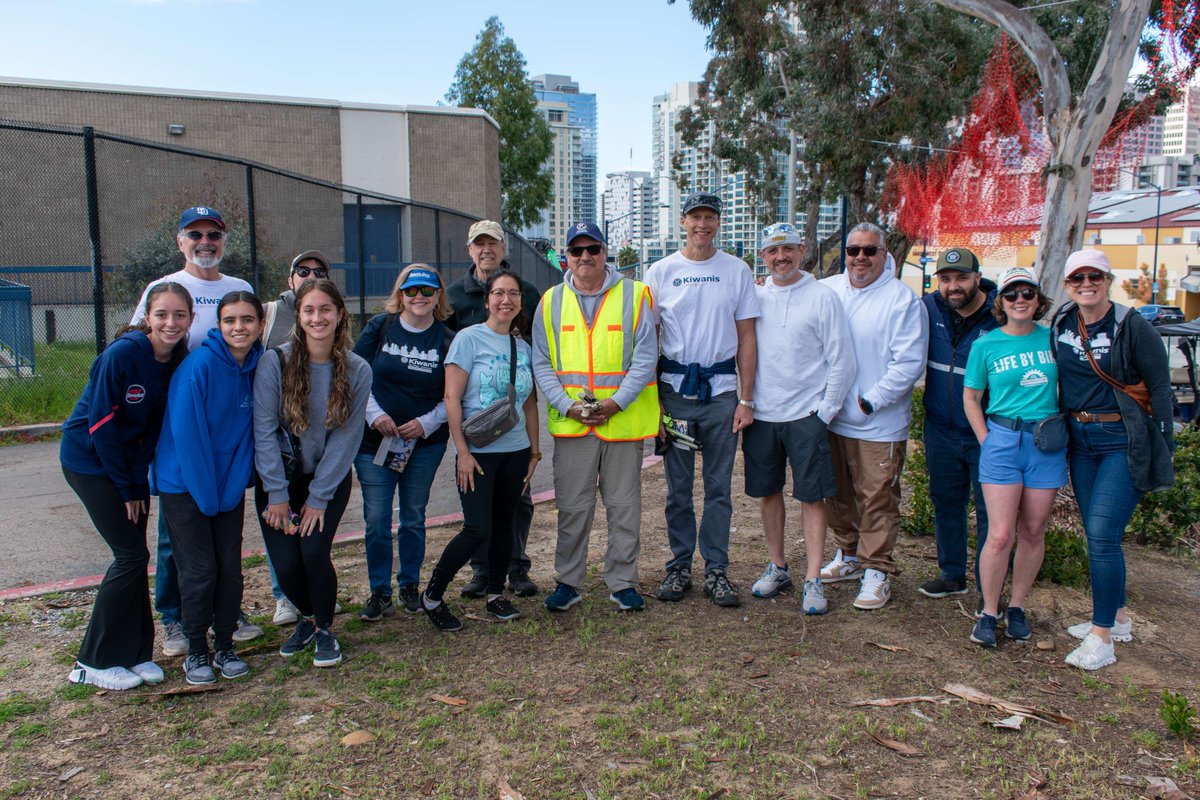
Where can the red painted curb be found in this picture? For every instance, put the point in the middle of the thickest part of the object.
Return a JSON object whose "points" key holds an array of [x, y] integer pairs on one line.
{"points": [[92, 581]]}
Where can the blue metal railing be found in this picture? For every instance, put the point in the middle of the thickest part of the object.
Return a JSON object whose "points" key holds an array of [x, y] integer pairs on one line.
{"points": [[16, 329]]}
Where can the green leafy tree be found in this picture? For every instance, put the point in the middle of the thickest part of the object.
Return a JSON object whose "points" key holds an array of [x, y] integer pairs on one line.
{"points": [[491, 76], [627, 256], [847, 76]]}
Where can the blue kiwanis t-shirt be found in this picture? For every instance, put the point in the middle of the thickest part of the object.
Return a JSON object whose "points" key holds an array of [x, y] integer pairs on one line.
{"points": [[1018, 371], [1082, 389], [485, 355]]}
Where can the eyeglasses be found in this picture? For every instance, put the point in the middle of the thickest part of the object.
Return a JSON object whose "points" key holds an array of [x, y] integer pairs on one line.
{"points": [[212, 236], [1026, 294], [424, 291], [592, 250], [511, 294], [1079, 278], [316, 272], [869, 250]]}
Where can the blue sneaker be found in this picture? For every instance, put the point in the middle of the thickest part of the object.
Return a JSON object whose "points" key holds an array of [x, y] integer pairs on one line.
{"points": [[1018, 626], [562, 598], [984, 633], [628, 599]]}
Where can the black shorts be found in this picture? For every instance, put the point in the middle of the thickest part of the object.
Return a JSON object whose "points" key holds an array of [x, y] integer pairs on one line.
{"points": [[768, 447]]}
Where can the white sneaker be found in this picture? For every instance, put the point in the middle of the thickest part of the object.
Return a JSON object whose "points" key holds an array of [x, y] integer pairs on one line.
{"points": [[772, 581], [875, 591], [814, 598], [285, 612], [1120, 631], [841, 569], [115, 678], [1094, 653], [149, 672]]}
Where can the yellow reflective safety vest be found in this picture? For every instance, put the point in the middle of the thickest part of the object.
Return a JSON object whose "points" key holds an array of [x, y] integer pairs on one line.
{"points": [[597, 358]]}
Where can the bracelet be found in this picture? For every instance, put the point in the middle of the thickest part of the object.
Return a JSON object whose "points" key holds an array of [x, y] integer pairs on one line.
{"points": [[537, 456]]}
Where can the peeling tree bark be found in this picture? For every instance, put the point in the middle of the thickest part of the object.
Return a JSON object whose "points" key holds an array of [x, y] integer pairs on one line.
{"points": [[1074, 130]]}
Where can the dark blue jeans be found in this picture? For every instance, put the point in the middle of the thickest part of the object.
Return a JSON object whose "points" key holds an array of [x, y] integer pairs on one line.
{"points": [[952, 459], [380, 487], [1104, 490]]}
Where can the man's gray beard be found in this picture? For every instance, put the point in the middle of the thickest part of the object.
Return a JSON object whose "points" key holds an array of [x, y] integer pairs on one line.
{"points": [[206, 262], [967, 298]]}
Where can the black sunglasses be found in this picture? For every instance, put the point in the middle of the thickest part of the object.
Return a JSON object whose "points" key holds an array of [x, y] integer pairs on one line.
{"points": [[1091, 277], [1026, 294], [424, 291], [212, 236], [317, 272], [592, 250], [869, 250]]}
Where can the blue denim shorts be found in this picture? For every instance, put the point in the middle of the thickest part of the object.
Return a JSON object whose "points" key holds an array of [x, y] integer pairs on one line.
{"points": [[1009, 457]]}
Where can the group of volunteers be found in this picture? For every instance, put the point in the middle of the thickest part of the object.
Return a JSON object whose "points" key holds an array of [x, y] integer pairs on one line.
{"points": [[208, 392]]}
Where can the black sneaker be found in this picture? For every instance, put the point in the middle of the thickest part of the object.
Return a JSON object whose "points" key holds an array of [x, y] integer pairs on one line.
{"points": [[718, 587], [410, 595], [328, 652], [1016, 626], [230, 664], [301, 638], [984, 633], [678, 581], [942, 588], [441, 617], [377, 606], [501, 609], [475, 588], [520, 585]]}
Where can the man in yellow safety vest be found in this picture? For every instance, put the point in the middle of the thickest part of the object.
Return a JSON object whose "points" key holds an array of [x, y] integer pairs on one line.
{"points": [[594, 356]]}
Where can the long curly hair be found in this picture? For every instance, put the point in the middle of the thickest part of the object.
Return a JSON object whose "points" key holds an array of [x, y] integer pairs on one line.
{"points": [[295, 374]]}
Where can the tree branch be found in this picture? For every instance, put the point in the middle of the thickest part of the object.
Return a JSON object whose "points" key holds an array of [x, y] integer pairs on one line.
{"points": [[1105, 84]]}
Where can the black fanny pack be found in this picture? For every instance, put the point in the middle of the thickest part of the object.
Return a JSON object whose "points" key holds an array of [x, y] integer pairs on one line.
{"points": [[1050, 435]]}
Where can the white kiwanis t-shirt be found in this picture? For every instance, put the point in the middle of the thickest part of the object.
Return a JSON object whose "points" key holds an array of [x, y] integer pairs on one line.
{"points": [[205, 297], [696, 304]]}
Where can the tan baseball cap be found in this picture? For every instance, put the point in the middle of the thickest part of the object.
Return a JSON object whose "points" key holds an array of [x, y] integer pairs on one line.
{"points": [[485, 227]]}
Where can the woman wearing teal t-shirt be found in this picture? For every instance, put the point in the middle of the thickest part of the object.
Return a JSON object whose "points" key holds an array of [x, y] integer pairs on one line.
{"points": [[1015, 365]]}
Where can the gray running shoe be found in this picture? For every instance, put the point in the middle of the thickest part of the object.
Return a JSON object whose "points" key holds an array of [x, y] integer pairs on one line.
{"points": [[198, 670], [301, 637], [814, 598], [174, 643], [329, 652], [678, 581], [230, 664], [246, 630], [720, 590]]}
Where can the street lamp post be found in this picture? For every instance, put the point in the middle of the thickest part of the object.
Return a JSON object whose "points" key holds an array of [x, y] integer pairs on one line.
{"points": [[1157, 222]]}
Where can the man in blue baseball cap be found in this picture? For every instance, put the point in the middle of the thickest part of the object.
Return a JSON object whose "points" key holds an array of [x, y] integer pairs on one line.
{"points": [[201, 239], [594, 355]]}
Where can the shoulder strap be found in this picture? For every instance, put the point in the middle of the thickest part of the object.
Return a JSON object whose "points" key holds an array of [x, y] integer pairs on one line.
{"points": [[512, 369], [387, 327], [1086, 344]]}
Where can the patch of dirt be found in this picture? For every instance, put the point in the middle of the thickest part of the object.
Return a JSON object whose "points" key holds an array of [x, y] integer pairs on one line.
{"points": [[683, 700]]}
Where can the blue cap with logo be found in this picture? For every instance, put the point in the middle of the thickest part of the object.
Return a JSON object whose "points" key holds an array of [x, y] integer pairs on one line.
{"points": [[421, 277], [588, 229], [201, 214], [779, 233]]}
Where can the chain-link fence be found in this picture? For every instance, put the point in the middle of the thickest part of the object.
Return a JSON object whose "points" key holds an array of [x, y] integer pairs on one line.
{"points": [[87, 219]]}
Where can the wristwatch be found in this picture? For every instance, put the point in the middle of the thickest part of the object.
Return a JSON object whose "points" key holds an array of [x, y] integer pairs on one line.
{"points": [[536, 456], [747, 403]]}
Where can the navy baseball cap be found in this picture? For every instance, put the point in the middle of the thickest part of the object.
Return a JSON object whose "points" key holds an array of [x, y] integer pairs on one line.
{"points": [[421, 277], [200, 214], [702, 200], [585, 229]]}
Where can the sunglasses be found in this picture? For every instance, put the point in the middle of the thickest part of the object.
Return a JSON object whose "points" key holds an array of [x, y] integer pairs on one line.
{"points": [[212, 236], [592, 250], [424, 291], [1079, 278], [869, 251], [316, 272], [1025, 294]]}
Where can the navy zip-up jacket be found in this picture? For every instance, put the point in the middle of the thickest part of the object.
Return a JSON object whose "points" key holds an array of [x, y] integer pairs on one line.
{"points": [[207, 444], [114, 428], [947, 364]]}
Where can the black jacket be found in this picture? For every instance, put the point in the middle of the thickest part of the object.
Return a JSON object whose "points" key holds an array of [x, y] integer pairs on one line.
{"points": [[1138, 354], [467, 298]]}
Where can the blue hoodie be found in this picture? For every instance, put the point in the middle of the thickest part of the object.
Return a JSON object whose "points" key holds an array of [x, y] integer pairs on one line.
{"points": [[114, 427], [207, 443]]}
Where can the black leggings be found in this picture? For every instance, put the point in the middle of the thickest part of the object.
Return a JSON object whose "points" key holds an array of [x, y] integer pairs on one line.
{"points": [[121, 632], [208, 560], [487, 520], [302, 563]]}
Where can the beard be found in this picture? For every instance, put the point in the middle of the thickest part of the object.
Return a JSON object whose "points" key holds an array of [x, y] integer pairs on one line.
{"points": [[968, 296], [206, 261]]}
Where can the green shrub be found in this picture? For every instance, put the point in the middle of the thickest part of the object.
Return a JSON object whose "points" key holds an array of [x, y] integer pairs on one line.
{"points": [[1178, 713], [1066, 560], [919, 519], [1166, 518]]}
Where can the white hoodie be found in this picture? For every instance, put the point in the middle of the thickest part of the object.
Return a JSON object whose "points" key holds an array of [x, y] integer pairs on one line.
{"points": [[805, 357], [889, 328]]}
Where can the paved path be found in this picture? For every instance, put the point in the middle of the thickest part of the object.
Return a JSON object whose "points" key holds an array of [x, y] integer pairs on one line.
{"points": [[48, 537]]}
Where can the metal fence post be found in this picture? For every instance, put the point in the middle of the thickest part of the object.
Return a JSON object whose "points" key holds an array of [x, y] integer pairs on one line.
{"points": [[362, 264], [437, 237], [252, 228], [93, 208]]}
